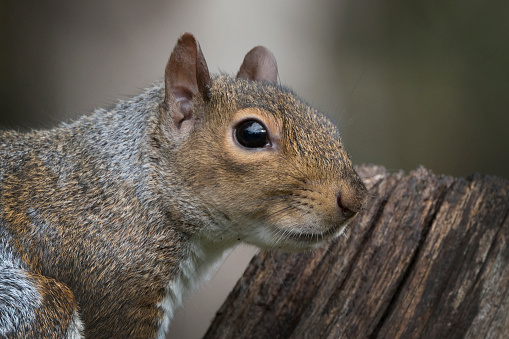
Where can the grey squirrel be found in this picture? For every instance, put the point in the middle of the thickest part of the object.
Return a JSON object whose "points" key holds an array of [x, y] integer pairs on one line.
{"points": [[108, 221]]}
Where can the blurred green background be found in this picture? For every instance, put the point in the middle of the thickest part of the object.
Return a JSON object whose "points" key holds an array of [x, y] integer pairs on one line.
{"points": [[408, 82]]}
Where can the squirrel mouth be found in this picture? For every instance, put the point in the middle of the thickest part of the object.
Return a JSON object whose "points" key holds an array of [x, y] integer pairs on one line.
{"points": [[316, 237]]}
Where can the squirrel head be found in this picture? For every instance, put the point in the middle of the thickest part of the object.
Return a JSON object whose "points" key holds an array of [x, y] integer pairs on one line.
{"points": [[254, 162]]}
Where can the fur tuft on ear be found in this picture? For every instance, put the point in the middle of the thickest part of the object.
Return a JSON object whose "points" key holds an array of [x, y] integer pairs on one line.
{"points": [[259, 65], [186, 77]]}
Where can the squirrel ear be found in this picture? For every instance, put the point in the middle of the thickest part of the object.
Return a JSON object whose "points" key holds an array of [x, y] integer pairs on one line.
{"points": [[186, 76], [259, 65]]}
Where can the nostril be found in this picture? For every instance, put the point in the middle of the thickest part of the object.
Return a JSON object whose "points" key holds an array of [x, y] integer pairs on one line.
{"points": [[344, 208]]}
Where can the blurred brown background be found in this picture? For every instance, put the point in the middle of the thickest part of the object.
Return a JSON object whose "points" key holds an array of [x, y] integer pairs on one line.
{"points": [[408, 82]]}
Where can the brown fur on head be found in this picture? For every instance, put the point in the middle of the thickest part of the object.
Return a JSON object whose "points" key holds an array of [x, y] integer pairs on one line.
{"points": [[292, 192]]}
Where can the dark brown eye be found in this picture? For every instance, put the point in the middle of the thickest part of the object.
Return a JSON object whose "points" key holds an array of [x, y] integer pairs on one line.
{"points": [[252, 134]]}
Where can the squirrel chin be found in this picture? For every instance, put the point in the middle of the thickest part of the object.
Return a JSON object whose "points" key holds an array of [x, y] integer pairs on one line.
{"points": [[269, 237]]}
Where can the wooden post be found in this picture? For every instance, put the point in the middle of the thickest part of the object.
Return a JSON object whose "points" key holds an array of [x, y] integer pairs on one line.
{"points": [[427, 258]]}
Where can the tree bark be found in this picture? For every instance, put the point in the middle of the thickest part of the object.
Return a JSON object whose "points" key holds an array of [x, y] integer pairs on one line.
{"points": [[427, 258]]}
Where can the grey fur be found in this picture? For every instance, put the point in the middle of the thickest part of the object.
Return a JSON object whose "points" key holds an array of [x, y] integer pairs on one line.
{"points": [[19, 298], [76, 328]]}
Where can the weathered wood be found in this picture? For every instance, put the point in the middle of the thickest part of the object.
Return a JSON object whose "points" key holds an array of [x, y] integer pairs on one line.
{"points": [[427, 258]]}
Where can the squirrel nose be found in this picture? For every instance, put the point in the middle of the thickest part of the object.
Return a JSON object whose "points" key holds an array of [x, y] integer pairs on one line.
{"points": [[350, 202]]}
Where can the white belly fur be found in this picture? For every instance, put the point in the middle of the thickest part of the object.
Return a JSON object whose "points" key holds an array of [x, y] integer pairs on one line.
{"points": [[201, 262]]}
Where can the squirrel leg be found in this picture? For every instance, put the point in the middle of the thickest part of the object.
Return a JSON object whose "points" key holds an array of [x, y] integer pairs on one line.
{"points": [[34, 306]]}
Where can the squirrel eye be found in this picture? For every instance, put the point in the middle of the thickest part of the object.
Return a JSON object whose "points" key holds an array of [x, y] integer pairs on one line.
{"points": [[252, 134]]}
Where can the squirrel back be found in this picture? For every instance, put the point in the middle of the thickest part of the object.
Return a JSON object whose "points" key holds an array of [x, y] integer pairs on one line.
{"points": [[107, 222]]}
